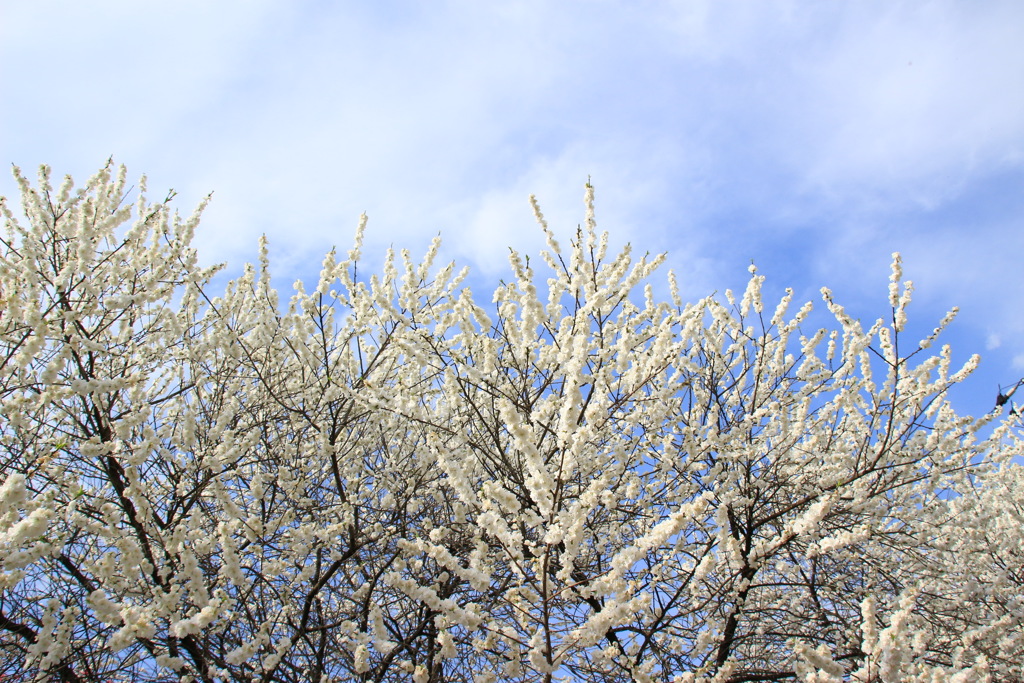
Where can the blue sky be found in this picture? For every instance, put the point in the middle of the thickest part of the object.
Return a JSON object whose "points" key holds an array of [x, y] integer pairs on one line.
{"points": [[813, 137]]}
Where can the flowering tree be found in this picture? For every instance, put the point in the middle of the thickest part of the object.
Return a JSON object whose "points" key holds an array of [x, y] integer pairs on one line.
{"points": [[385, 480]]}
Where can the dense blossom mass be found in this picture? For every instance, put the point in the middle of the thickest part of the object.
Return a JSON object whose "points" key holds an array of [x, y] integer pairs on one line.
{"points": [[389, 479]]}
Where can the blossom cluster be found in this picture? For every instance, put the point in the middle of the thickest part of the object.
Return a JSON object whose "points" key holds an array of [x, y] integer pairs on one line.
{"points": [[388, 479]]}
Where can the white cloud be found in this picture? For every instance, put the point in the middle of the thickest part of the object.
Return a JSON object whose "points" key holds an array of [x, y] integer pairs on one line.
{"points": [[400, 103], [90, 80], [814, 137], [914, 99]]}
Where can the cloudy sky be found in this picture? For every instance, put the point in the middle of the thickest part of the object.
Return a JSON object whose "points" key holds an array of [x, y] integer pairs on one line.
{"points": [[813, 137]]}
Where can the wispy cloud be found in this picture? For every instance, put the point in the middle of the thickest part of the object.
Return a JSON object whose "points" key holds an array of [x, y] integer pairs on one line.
{"points": [[816, 138]]}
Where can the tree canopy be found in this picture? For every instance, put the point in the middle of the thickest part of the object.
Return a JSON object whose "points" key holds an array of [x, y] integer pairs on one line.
{"points": [[389, 479]]}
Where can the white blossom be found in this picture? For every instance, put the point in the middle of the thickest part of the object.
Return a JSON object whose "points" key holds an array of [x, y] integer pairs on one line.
{"points": [[384, 474]]}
